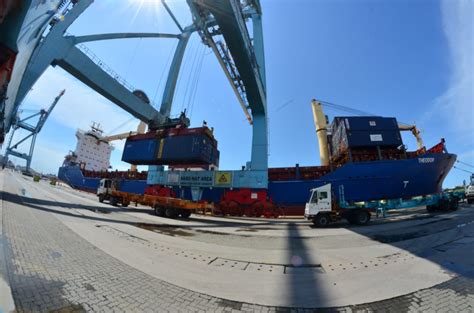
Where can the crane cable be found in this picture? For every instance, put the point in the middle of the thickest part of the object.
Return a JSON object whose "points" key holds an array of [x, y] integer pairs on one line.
{"points": [[132, 59], [189, 83], [461, 169], [464, 163], [187, 58], [196, 81], [351, 110], [120, 126]]}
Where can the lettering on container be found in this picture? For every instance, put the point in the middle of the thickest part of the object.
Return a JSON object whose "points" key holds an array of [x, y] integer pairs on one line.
{"points": [[253, 195], [425, 160], [376, 137], [372, 123]]}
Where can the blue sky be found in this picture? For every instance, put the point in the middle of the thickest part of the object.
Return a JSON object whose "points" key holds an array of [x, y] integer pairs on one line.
{"points": [[412, 59]]}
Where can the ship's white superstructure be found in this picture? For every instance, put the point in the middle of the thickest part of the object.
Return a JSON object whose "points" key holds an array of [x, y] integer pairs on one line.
{"points": [[92, 151]]}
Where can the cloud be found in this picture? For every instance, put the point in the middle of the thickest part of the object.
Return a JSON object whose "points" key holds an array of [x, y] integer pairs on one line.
{"points": [[79, 106], [457, 101]]}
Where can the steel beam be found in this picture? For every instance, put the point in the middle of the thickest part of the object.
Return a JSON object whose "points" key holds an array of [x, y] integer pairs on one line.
{"points": [[114, 36], [173, 74], [56, 49], [80, 66]]}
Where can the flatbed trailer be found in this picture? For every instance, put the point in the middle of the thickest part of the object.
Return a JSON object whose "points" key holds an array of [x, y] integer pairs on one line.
{"points": [[163, 206], [327, 205]]}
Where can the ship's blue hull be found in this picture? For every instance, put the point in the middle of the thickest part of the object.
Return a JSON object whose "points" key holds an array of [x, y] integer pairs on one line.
{"points": [[387, 179]]}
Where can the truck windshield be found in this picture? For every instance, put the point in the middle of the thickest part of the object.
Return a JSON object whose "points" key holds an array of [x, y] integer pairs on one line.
{"points": [[314, 197]]}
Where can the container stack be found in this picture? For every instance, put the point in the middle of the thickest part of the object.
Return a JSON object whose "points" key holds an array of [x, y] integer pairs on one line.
{"points": [[176, 146], [369, 137]]}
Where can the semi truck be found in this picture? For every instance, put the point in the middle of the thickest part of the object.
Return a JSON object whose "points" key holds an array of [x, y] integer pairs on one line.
{"points": [[327, 205], [470, 191], [161, 201]]}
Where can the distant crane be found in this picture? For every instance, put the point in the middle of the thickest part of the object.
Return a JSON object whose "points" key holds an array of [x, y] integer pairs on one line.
{"points": [[33, 130]]}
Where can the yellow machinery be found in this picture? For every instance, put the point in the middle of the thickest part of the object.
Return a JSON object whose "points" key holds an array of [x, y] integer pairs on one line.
{"points": [[415, 131], [321, 124]]}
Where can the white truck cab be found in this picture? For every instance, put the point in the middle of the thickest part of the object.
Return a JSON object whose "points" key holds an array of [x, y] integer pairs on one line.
{"points": [[104, 186], [319, 206], [470, 194], [323, 210], [320, 200]]}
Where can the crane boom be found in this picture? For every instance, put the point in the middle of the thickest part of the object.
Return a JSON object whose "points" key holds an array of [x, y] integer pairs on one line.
{"points": [[416, 133]]}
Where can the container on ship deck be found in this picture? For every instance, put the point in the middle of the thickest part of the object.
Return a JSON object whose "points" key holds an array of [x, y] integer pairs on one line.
{"points": [[370, 131]]}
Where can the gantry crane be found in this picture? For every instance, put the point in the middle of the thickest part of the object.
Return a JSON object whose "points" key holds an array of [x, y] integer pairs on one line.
{"points": [[222, 25], [33, 131]]}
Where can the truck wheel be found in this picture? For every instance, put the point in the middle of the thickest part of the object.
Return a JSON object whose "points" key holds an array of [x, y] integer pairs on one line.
{"points": [[360, 217], [185, 213], [470, 201], [101, 198], [431, 208], [321, 220], [170, 213], [159, 211]]}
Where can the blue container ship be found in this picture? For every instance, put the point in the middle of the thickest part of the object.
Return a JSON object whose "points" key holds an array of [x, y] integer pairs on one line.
{"points": [[369, 167]]}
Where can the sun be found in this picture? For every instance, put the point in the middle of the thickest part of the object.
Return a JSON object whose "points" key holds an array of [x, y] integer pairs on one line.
{"points": [[145, 5]]}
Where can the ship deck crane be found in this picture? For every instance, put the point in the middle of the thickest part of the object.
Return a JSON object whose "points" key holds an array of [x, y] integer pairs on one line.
{"points": [[416, 133], [140, 130], [33, 131]]}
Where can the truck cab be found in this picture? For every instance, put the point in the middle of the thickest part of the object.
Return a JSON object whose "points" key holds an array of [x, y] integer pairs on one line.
{"points": [[323, 209], [105, 187], [470, 191], [319, 207], [319, 201]]}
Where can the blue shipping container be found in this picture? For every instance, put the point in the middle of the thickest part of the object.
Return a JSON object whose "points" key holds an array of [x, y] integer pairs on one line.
{"points": [[374, 138], [140, 151]]}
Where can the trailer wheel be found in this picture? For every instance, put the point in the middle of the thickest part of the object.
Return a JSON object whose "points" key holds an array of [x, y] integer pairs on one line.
{"points": [[185, 213], [444, 205], [359, 217], [470, 201], [321, 220], [170, 213], [431, 208], [113, 201], [101, 198], [454, 204]]}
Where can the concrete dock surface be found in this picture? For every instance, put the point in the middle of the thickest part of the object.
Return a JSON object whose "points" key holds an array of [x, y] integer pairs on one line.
{"points": [[63, 250]]}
